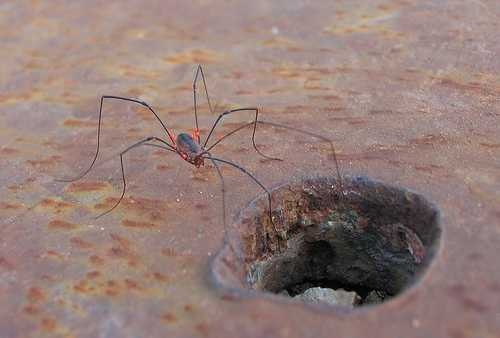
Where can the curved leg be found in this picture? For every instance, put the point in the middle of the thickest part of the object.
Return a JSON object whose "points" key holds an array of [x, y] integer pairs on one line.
{"points": [[99, 132], [199, 71], [318, 136], [137, 144], [256, 181], [253, 133]]}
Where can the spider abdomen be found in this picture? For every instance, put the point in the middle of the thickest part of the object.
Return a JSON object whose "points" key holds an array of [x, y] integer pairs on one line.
{"points": [[188, 147]]}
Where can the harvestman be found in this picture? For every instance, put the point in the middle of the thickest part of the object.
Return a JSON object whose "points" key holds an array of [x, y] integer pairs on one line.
{"points": [[190, 148]]}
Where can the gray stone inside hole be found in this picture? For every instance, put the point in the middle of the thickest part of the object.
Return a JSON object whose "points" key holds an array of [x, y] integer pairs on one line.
{"points": [[373, 239]]}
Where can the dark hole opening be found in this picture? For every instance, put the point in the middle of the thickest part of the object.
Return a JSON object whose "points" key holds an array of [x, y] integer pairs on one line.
{"points": [[362, 245]]}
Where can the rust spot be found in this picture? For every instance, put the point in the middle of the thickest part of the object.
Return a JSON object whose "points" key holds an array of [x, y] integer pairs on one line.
{"points": [[162, 167], [87, 186], [31, 310], [8, 151], [35, 295], [200, 56], [81, 286], [169, 317], [131, 284], [138, 224], [202, 328], [160, 277], [168, 252], [96, 260], [490, 145], [56, 206], [188, 308], [118, 252], [54, 254], [48, 324], [93, 274], [80, 243], [77, 123], [62, 225], [125, 243], [429, 139], [5, 264], [47, 162]]}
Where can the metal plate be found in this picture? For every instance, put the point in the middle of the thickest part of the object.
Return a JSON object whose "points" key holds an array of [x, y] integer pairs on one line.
{"points": [[409, 92]]}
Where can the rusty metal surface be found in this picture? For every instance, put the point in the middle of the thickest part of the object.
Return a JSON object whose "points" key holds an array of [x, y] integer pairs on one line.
{"points": [[409, 92]]}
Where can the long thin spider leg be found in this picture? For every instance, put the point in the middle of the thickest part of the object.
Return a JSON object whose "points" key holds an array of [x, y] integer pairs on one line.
{"points": [[99, 133], [199, 71], [137, 144], [256, 110], [223, 191], [318, 136], [254, 179]]}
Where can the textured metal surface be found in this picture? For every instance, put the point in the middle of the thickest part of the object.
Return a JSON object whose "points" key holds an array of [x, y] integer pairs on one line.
{"points": [[409, 91]]}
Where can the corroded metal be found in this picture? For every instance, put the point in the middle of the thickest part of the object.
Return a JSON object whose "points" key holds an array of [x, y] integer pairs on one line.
{"points": [[408, 91]]}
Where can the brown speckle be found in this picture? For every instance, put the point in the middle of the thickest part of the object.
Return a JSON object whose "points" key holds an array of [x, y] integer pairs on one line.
{"points": [[87, 186], [137, 224], [96, 260], [35, 295], [169, 317], [48, 324], [168, 252], [93, 274], [31, 310], [80, 243], [61, 225]]}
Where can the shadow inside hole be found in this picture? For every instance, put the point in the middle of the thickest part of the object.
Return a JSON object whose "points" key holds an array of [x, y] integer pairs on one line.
{"points": [[364, 237]]}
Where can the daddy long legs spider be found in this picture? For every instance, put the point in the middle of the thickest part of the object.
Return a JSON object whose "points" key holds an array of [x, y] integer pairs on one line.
{"points": [[191, 148]]}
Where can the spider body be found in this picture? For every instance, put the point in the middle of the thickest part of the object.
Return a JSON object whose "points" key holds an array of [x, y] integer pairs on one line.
{"points": [[189, 149]]}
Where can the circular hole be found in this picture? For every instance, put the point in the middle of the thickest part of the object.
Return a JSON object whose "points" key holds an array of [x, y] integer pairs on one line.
{"points": [[351, 244]]}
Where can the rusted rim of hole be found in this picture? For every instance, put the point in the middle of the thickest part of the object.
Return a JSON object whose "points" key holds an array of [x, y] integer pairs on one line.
{"points": [[364, 236]]}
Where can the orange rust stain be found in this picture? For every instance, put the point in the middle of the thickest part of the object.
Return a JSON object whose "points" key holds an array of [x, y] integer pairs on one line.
{"points": [[119, 252], [138, 224], [125, 243], [168, 252], [47, 162], [54, 254], [62, 225], [490, 145], [93, 274], [160, 277], [56, 206], [8, 151], [96, 260], [87, 186], [31, 310], [80, 243], [202, 328], [112, 288], [82, 287], [169, 317], [138, 205], [10, 206], [429, 139], [5, 264], [188, 308], [48, 324], [35, 295], [77, 123], [131, 284], [200, 56]]}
